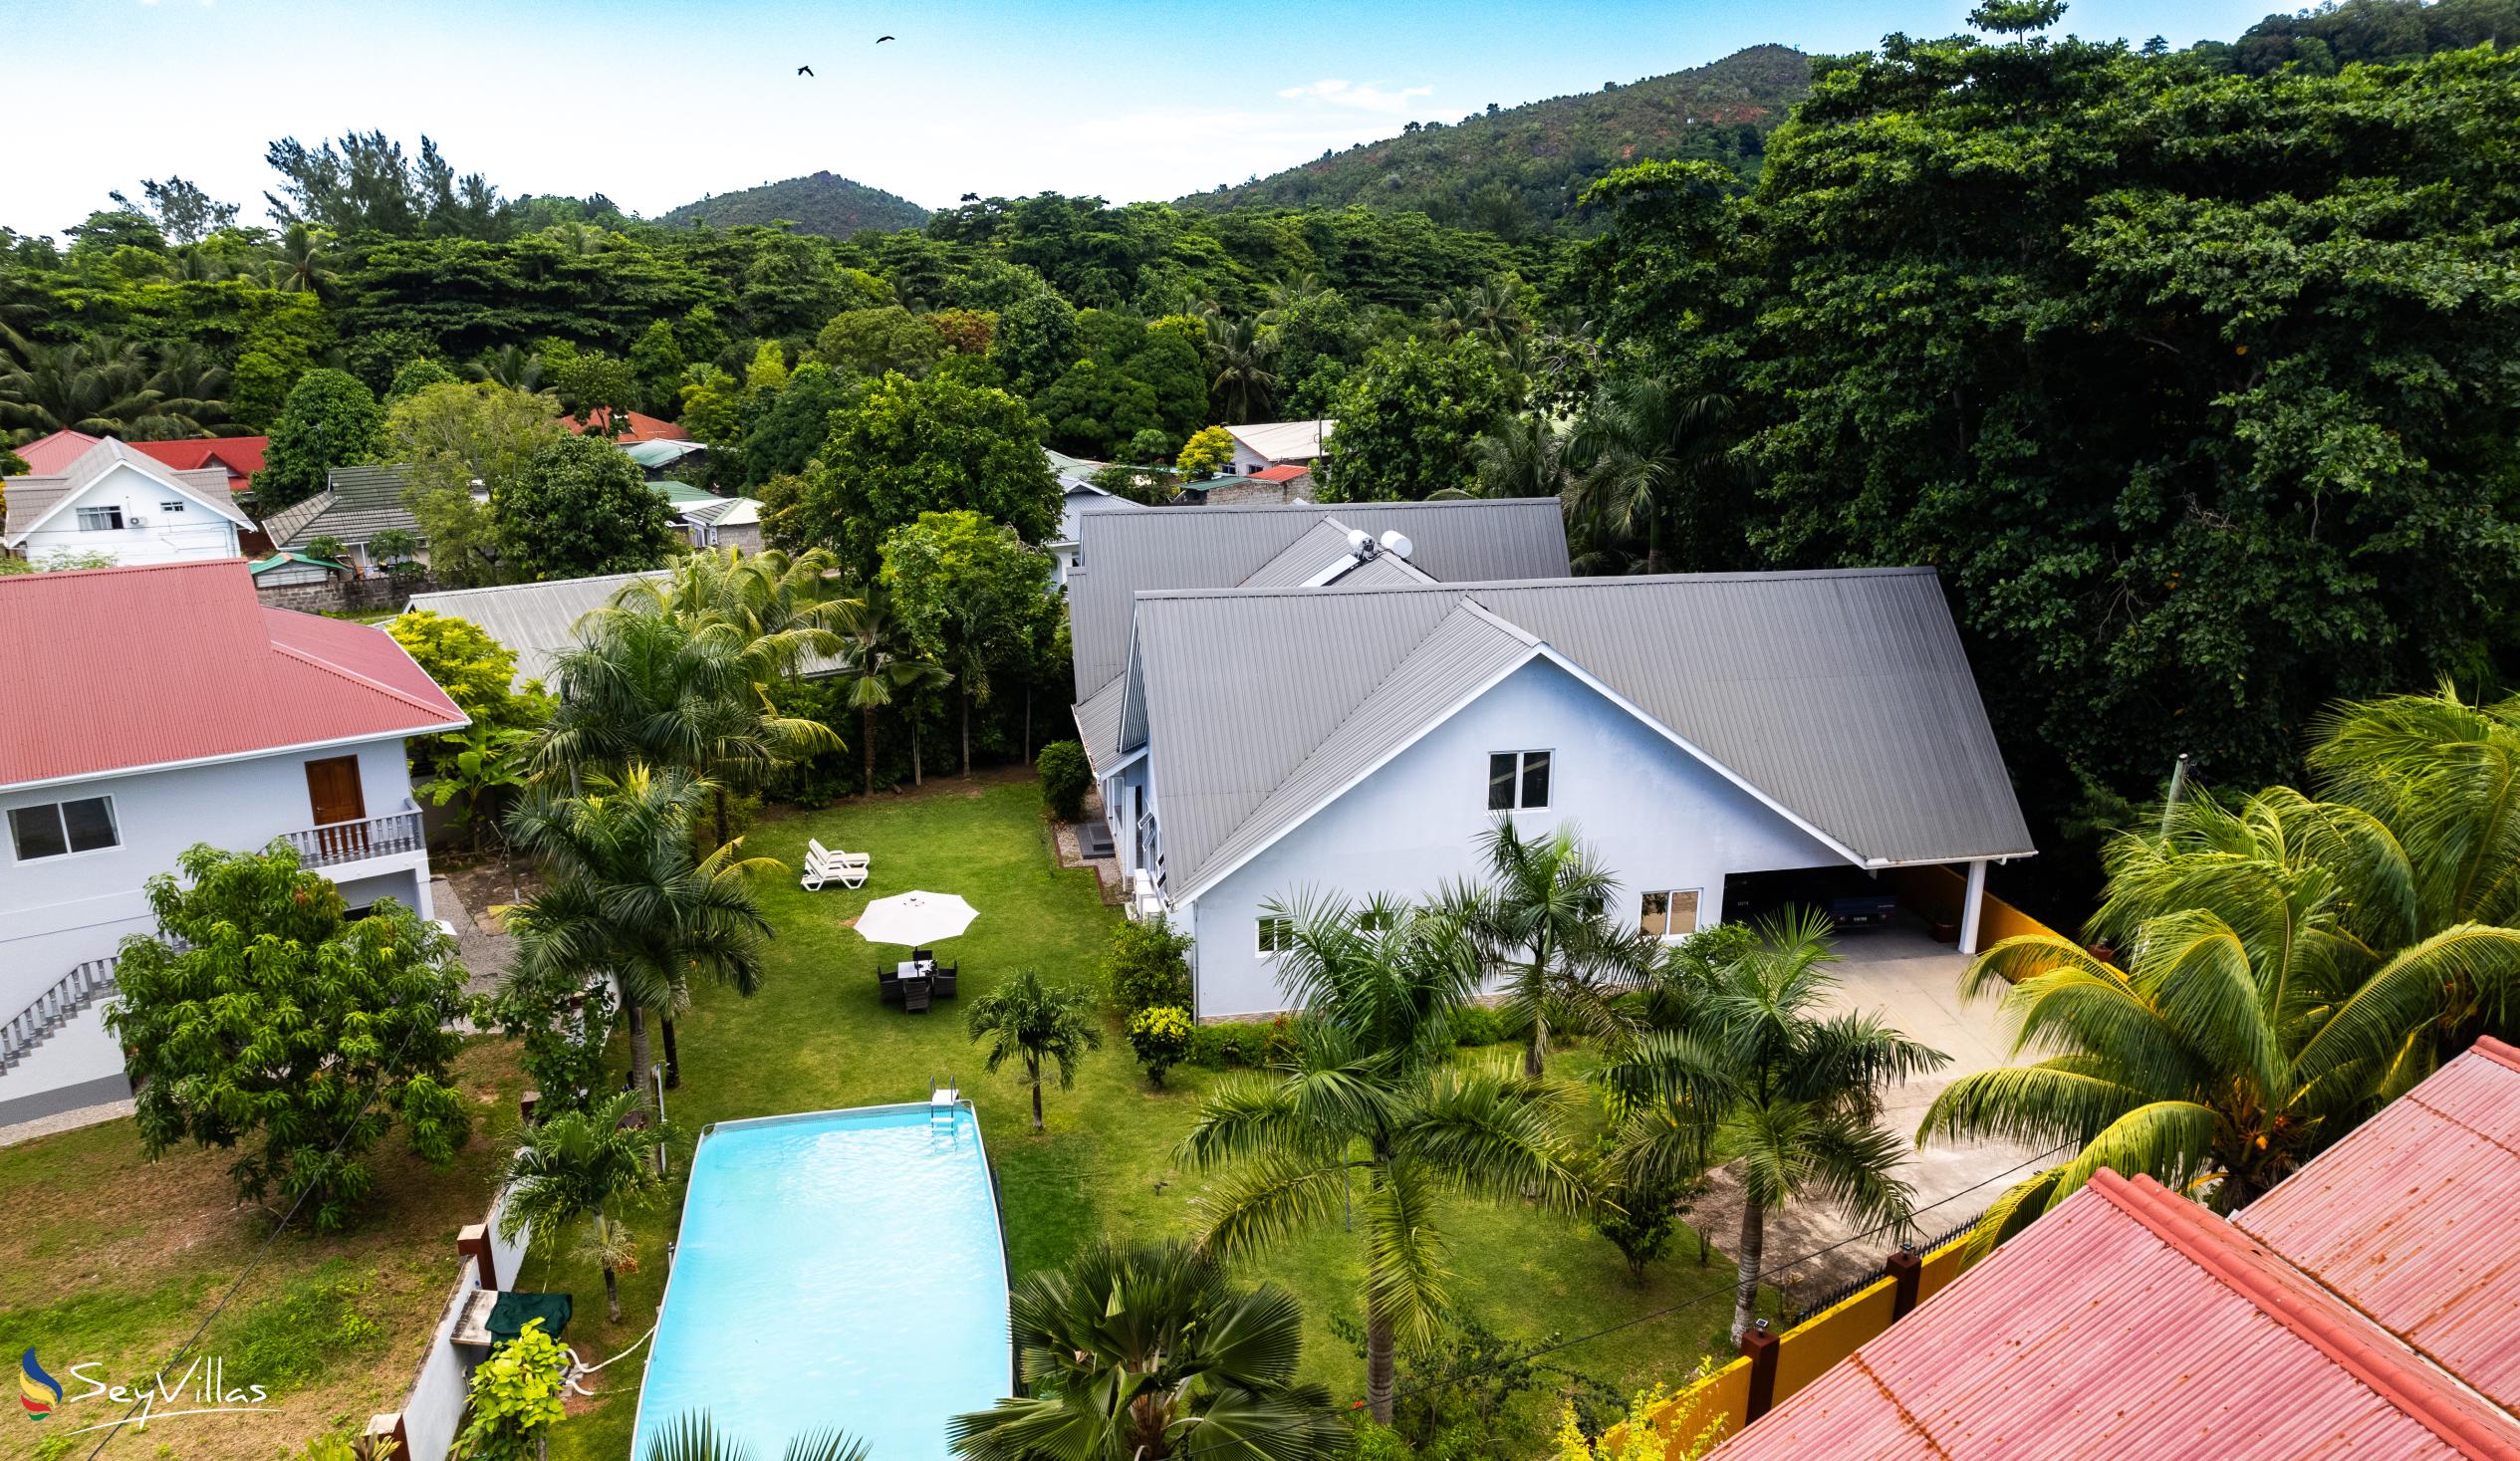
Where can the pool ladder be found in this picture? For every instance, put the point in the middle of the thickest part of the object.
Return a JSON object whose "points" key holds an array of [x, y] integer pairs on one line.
{"points": [[943, 1096]]}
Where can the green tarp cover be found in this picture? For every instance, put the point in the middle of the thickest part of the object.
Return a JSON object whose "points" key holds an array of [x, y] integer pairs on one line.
{"points": [[510, 1315]]}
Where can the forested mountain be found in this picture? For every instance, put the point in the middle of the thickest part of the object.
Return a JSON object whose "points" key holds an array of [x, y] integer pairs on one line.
{"points": [[2319, 40], [1517, 169], [823, 203]]}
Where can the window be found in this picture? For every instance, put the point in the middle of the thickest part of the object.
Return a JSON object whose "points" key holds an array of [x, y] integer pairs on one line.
{"points": [[58, 827], [1276, 936], [101, 519], [172, 505], [1517, 781], [1671, 915]]}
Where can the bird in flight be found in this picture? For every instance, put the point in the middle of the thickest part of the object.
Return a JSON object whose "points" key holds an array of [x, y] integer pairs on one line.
{"points": [[879, 39], [805, 71]]}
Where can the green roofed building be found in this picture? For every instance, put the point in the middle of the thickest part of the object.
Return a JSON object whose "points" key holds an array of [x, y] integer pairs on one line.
{"points": [[357, 504]]}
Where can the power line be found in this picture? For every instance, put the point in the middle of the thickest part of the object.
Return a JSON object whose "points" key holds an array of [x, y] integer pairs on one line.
{"points": [[262, 1251], [1665, 1312]]}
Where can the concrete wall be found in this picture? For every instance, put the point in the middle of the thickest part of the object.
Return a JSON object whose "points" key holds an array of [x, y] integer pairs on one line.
{"points": [[58, 912], [433, 1411], [193, 533], [383, 593], [1656, 815]]}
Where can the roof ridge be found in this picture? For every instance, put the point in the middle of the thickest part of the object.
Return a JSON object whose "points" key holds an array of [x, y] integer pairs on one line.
{"points": [[1192, 513], [2506, 1056], [320, 662], [2400, 1377], [1621, 581]]}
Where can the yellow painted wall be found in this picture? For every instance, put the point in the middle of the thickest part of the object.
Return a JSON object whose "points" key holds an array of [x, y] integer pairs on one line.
{"points": [[1804, 1353], [1935, 892]]}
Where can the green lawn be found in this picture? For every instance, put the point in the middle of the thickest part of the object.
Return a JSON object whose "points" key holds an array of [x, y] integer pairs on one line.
{"points": [[815, 1038]]}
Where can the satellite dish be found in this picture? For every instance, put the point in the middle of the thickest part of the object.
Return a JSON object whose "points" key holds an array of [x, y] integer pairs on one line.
{"points": [[1398, 542]]}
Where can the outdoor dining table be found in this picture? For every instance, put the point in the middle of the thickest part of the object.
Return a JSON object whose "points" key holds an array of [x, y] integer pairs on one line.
{"points": [[909, 969]]}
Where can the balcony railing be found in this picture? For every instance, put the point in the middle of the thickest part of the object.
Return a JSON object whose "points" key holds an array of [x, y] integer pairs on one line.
{"points": [[351, 841]]}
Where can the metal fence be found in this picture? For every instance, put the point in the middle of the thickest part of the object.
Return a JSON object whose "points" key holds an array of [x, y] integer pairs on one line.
{"points": [[1857, 1284]]}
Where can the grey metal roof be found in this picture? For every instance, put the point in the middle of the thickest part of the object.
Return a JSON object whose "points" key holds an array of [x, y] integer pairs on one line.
{"points": [[1128, 553], [1098, 725], [30, 498], [357, 504], [1843, 697], [537, 620]]}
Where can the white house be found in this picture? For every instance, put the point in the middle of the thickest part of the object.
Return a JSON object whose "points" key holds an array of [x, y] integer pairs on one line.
{"points": [[152, 708], [1708, 734], [127, 507], [1264, 444]]}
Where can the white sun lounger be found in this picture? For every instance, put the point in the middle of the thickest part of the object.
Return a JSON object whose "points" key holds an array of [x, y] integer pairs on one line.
{"points": [[824, 866]]}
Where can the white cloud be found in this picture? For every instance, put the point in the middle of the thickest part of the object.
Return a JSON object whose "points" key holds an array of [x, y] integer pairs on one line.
{"points": [[1365, 97]]}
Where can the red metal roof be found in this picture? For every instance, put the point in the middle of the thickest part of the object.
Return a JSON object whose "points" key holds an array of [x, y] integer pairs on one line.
{"points": [[640, 429], [2415, 1217], [1284, 472], [2131, 1322], [241, 457], [49, 456], [116, 670]]}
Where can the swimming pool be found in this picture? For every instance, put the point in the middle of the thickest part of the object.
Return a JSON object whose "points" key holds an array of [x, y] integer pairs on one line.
{"points": [[836, 1270]]}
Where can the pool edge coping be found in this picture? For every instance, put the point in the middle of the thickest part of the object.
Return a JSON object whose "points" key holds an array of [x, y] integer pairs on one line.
{"points": [[988, 1169]]}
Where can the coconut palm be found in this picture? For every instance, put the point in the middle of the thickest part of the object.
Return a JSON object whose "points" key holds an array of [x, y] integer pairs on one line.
{"points": [[1749, 1064], [1244, 387], [2281, 978], [644, 684], [1147, 1352], [1544, 914], [1032, 1022], [2444, 774], [1647, 451], [624, 896], [305, 264], [582, 1167], [100, 387], [1369, 1092], [877, 662], [191, 389], [692, 1436], [511, 366]]}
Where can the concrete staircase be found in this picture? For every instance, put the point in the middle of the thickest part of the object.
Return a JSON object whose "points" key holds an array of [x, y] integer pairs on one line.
{"points": [[53, 1008]]}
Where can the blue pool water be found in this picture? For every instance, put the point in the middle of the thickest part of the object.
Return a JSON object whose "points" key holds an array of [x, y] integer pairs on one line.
{"points": [[841, 1270]]}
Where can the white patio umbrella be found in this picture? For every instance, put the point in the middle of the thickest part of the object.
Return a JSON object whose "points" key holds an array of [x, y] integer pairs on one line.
{"points": [[915, 918]]}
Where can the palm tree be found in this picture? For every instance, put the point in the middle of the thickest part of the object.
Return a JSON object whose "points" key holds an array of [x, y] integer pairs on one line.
{"points": [[644, 684], [583, 1167], [2282, 978], [511, 366], [1244, 387], [1370, 1090], [1526, 457], [98, 387], [303, 265], [191, 389], [1749, 1064], [692, 1436], [2442, 775], [1146, 1351], [1647, 453], [1545, 912], [626, 898], [878, 660], [1027, 1020]]}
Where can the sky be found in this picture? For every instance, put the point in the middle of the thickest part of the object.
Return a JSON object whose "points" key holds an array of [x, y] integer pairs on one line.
{"points": [[657, 102]]}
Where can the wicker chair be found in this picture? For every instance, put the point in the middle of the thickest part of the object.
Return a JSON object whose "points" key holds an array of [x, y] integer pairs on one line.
{"points": [[888, 983], [944, 985], [914, 996]]}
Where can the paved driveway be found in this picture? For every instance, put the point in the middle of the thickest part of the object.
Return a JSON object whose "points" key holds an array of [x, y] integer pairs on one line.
{"points": [[1912, 983]]}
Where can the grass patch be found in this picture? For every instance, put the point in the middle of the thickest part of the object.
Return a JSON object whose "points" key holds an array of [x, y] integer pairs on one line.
{"points": [[815, 1038]]}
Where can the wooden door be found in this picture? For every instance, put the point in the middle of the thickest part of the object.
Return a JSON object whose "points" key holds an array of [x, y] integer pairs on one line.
{"points": [[341, 807]]}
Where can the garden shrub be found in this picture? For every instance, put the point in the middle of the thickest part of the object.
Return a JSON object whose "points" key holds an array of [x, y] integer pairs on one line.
{"points": [[1065, 779], [1230, 1046], [1149, 965], [1160, 1035], [1477, 1025], [515, 1398]]}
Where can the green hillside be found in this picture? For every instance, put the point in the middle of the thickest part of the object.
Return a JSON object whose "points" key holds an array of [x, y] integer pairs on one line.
{"points": [[823, 203], [1516, 169]]}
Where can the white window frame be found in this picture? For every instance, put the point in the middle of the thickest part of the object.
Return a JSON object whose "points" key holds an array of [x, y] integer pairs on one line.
{"points": [[1697, 920], [111, 510], [113, 817], [1260, 942], [1522, 770]]}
